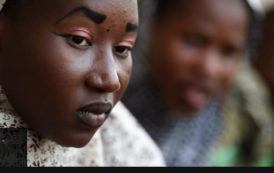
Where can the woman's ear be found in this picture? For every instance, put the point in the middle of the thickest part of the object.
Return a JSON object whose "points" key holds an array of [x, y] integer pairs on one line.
{"points": [[1, 39], [3, 21], [1, 30], [2, 33]]}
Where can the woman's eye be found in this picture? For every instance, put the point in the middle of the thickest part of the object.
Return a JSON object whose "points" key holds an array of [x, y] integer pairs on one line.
{"points": [[229, 52], [122, 51], [195, 40], [78, 41]]}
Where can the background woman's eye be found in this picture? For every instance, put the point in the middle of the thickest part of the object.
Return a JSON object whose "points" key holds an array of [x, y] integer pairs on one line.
{"points": [[122, 51], [194, 40], [229, 51]]}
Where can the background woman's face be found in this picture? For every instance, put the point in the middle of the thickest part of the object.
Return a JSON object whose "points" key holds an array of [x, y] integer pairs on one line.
{"points": [[64, 64], [196, 51]]}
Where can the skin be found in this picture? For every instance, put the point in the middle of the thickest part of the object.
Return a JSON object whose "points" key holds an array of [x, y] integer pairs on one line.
{"points": [[55, 60], [196, 52], [265, 60]]}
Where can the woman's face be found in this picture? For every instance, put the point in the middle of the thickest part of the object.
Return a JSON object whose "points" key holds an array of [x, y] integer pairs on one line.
{"points": [[196, 51], [64, 64]]}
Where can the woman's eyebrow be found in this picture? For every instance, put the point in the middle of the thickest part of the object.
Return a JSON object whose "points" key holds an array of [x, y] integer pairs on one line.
{"points": [[93, 15]]}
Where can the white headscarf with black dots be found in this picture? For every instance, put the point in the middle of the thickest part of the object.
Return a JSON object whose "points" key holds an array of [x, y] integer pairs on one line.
{"points": [[2, 2]]}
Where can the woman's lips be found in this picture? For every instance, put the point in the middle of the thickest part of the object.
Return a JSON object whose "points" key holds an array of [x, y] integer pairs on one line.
{"points": [[94, 115]]}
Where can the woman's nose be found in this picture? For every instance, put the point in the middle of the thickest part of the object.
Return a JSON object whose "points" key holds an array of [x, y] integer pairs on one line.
{"points": [[104, 75]]}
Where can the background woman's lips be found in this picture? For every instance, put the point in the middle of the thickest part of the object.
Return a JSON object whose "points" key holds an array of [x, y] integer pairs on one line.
{"points": [[94, 115], [195, 97], [196, 94]]}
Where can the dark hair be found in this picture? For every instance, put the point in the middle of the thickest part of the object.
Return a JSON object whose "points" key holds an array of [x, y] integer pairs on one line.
{"points": [[12, 8], [163, 7]]}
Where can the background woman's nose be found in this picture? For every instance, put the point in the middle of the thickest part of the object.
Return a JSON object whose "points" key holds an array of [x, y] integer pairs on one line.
{"points": [[209, 64]]}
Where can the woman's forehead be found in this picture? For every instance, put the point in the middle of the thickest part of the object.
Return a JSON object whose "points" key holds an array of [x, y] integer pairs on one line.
{"points": [[49, 7], [99, 11]]}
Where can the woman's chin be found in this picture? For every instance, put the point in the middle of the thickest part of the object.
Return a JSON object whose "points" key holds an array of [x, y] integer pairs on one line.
{"points": [[78, 141]]}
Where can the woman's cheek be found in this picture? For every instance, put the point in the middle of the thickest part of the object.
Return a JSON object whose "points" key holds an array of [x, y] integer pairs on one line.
{"points": [[123, 70], [227, 79], [125, 78]]}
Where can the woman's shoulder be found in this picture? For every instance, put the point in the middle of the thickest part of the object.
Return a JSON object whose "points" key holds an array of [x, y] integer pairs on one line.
{"points": [[126, 143]]}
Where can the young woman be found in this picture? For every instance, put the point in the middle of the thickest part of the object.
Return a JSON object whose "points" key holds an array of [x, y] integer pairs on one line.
{"points": [[64, 65]]}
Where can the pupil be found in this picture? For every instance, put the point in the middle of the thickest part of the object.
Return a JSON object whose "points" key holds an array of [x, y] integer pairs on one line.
{"points": [[120, 49], [77, 40]]}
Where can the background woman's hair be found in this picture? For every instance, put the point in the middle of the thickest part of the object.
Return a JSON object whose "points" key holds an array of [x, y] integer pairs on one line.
{"points": [[163, 7], [152, 10]]}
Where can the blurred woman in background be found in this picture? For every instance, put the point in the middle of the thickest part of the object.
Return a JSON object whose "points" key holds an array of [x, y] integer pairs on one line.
{"points": [[186, 59], [248, 136]]}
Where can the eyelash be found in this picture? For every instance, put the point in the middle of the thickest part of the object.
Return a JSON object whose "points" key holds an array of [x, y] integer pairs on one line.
{"points": [[78, 41], [120, 51]]}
